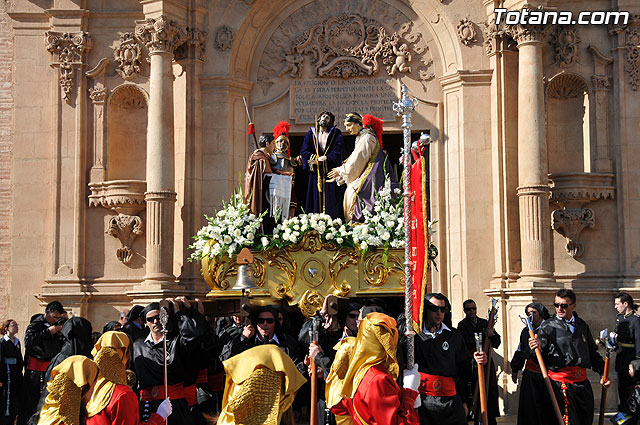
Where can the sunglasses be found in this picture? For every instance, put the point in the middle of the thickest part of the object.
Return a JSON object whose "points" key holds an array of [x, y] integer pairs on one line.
{"points": [[267, 320], [470, 308], [435, 308], [353, 315], [153, 318], [556, 305]]}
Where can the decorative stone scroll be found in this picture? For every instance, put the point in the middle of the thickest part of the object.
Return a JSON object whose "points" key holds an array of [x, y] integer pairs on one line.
{"points": [[467, 32], [566, 42], [224, 38], [570, 222], [128, 55], [125, 228], [629, 41], [333, 39], [160, 35], [69, 52], [193, 47]]}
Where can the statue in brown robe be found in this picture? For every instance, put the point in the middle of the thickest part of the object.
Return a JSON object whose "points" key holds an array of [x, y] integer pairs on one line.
{"points": [[258, 167]]}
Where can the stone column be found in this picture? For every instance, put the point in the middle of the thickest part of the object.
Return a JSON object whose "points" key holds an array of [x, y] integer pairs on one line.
{"points": [[161, 36], [533, 187]]}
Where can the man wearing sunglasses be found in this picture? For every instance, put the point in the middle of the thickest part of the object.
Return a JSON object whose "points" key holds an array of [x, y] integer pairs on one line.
{"points": [[468, 327], [264, 329], [569, 350], [444, 365], [186, 329]]}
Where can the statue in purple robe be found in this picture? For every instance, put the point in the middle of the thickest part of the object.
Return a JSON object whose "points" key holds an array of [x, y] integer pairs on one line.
{"points": [[364, 170], [323, 150]]}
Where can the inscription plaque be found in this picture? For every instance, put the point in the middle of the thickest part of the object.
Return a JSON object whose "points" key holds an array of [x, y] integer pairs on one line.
{"points": [[373, 96]]}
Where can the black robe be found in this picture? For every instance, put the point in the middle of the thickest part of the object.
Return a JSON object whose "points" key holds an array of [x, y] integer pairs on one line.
{"points": [[468, 329], [628, 330], [561, 348], [41, 344], [11, 377], [534, 401], [76, 334], [184, 335], [444, 355], [333, 194]]}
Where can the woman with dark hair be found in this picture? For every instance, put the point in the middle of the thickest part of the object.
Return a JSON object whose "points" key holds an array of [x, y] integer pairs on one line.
{"points": [[10, 372], [534, 397]]}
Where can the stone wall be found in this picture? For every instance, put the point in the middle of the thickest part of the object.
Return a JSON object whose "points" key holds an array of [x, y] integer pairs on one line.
{"points": [[6, 150]]}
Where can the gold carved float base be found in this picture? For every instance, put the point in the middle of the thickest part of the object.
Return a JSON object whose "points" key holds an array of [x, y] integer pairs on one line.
{"points": [[303, 274]]}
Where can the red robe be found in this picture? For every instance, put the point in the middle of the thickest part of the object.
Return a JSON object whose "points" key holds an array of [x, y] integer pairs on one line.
{"points": [[122, 410], [379, 401]]}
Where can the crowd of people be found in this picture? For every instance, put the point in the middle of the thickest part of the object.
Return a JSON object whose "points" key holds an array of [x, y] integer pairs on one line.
{"points": [[256, 369]]}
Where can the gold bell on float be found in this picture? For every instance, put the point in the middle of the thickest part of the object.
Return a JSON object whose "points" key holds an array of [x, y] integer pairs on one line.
{"points": [[245, 281]]}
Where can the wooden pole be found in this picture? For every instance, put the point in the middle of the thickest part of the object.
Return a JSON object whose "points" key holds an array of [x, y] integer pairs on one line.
{"points": [[603, 395], [481, 384], [313, 413], [547, 380]]}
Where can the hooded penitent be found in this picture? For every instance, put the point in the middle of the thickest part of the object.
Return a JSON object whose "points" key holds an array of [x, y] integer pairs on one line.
{"points": [[260, 386], [375, 344], [62, 405], [111, 354]]}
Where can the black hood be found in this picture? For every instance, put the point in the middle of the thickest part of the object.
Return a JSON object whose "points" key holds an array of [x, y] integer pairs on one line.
{"points": [[76, 333]]}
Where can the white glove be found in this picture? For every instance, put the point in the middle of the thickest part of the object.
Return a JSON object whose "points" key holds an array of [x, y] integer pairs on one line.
{"points": [[411, 380], [165, 409], [322, 158]]}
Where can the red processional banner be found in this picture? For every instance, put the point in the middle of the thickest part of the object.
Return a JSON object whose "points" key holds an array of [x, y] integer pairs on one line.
{"points": [[419, 237]]}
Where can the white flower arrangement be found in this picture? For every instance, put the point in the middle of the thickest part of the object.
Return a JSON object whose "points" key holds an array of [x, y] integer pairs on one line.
{"points": [[292, 230], [384, 227], [231, 229]]}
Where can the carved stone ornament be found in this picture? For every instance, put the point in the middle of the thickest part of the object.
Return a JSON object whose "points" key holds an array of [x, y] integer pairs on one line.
{"points": [[467, 32], [193, 47], [128, 55], [160, 35], [600, 82], [566, 86], [630, 43], [566, 42], [125, 228], [69, 52], [494, 35], [224, 38], [347, 46], [98, 93], [570, 222]]}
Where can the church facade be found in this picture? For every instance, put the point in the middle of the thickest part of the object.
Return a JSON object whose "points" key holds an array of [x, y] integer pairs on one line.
{"points": [[122, 122]]}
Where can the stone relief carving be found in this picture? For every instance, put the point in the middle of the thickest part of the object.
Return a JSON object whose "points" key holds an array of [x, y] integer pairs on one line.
{"points": [[98, 93], [193, 47], [566, 42], [128, 96], [566, 86], [224, 38], [332, 39], [69, 52], [125, 228], [128, 55], [629, 41], [160, 35], [570, 222], [467, 32], [600, 82], [495, 36]]}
